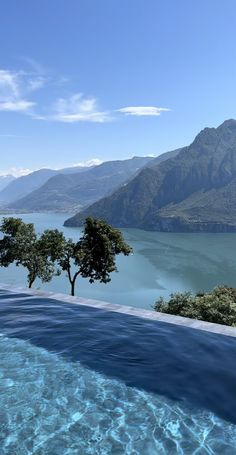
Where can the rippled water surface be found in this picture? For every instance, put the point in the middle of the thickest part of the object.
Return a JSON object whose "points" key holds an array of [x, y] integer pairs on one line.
{"points": [[79, 380]]}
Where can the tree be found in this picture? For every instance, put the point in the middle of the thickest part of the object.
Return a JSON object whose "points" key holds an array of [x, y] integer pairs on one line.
{"points": [[93, 256], [20, 245]]}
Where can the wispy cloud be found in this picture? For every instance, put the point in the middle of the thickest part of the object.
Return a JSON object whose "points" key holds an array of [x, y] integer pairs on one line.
{"points": [[34, 66], [17, 89], [140, 111], [16, 105], [11, 92], [77, 108], [35, 83], [16, 172]]}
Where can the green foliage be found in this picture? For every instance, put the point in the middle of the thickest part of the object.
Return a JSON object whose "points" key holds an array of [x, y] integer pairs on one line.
{"points": [[52, 243], [218, 306], [93, 256], [98, 247], [45, 256], [20, 245]]}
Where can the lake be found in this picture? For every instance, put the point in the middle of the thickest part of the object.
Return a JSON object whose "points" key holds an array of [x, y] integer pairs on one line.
{"points": [[162, 263]]}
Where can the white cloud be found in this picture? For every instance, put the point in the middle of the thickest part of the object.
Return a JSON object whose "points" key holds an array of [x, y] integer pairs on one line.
{"points": [[8, 85], [77, 108], [93, 162], [17, 86], [140, 111], [12, 93], [36, 83], [17, 172], [16, 105]]}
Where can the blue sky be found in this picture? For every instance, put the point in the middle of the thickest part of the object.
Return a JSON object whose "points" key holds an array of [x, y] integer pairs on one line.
{"points": [[109, 79]]}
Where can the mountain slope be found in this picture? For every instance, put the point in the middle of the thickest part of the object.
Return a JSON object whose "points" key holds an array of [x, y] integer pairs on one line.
{"points": [[5, 180], [66, 192], [24, 185], [163, 157], [194, 191]]}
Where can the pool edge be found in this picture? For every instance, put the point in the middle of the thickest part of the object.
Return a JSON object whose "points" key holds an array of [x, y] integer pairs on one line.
{"points": [[132, 311]]}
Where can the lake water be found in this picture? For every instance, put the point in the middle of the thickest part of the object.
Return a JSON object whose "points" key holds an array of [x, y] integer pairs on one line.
{"points": [[162, 263]]}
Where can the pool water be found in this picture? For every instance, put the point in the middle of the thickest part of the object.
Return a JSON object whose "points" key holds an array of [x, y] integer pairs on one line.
{"points": [[77, 380]]}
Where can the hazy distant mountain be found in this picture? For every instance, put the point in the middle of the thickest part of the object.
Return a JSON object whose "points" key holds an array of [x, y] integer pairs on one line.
{"points": [[194, 191], [72, 191], [5, 180], [24, 185]]}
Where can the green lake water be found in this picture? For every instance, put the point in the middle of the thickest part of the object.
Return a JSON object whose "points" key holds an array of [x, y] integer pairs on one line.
{"points": [[162, 263]]}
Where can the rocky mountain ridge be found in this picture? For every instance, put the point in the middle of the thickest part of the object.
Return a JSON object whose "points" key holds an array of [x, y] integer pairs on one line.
{"points": [[191, 192]]}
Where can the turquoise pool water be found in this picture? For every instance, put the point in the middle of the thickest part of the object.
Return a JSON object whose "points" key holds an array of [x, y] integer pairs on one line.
{"points": [[78, 381], [50, 406]]}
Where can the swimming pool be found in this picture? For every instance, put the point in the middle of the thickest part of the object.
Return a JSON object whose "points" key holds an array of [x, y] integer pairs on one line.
{"points": [[77, 379]]}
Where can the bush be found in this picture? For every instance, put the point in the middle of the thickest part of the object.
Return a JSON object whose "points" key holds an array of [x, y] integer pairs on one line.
{"points": [[217, 306]]}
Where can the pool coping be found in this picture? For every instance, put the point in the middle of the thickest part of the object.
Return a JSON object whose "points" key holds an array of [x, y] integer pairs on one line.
{"points": [[131, 311]]}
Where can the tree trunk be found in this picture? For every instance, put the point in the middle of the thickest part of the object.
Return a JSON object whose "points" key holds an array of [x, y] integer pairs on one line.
{"points": [[30, 284], [72, 282], [73, 287]]}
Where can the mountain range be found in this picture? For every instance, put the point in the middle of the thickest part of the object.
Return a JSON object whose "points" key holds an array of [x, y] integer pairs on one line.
{"points": [[72, 188], [193, 191], [22, 186]]}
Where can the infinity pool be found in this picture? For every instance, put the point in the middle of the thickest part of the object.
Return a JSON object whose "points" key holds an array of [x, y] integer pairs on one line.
{"points": [[80, 380]]}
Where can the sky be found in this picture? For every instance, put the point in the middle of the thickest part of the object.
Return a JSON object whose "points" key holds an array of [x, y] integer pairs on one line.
{"points": [[84, 80]]}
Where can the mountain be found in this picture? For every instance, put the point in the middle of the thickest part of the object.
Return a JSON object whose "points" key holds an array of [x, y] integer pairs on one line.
{"points": [[25, 184], [72, 191], [163, 157], [194, 191], [5, 180], [22, 186]]}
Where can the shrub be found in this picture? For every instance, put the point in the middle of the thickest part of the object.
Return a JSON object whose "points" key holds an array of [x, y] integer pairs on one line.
{"points": [[217, 306]]}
